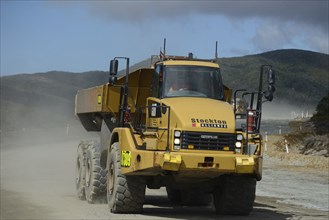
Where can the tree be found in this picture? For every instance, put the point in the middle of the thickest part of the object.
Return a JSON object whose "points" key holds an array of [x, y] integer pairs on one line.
{"points": [[321, 118]]}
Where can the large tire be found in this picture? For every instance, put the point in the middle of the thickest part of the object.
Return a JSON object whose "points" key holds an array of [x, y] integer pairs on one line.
{"points": [[80, 181], [125, 194], [235, 195], [96, 176]]}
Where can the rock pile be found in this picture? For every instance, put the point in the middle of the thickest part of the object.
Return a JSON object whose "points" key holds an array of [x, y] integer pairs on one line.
{"points": [[305, 139], [316, 145]]}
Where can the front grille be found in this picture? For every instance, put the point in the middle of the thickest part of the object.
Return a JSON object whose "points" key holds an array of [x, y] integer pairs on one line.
{"points": [[207, 141]]}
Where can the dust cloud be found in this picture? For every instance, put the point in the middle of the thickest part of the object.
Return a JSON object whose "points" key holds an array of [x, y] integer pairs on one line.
{"points": [[38, 182], [282, 110]]}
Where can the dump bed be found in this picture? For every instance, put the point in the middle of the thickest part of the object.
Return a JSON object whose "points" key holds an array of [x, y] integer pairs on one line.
{"points": [[94, 104]]}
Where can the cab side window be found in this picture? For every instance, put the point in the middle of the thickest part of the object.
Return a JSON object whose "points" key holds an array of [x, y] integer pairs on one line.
{"points": [[157, 80]]}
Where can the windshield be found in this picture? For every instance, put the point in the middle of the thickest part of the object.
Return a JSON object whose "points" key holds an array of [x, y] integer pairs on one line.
{"points": [[192, 81]]}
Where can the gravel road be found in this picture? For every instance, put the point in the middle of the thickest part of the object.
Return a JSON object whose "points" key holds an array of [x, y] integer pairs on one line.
{"points": [[37, 182]]}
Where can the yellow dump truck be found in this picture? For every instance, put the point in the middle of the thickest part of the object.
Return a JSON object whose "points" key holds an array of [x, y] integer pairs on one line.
{"points": [[172, 125]]}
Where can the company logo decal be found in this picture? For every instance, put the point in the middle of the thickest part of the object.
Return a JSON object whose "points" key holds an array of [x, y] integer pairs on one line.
{"points": [[208, 123]]}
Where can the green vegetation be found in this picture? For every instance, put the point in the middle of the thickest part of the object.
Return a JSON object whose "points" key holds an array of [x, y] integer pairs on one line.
{"points": [[321, 118], [302, 76], [42, 100], [310, 137]]}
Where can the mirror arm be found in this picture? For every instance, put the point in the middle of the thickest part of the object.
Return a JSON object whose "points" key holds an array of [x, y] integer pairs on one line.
{"points": [[124, 88]]}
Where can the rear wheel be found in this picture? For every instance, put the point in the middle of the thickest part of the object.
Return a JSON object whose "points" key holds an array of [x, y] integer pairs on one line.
{"points": [[125, 194], [235, 195], [80, 180], [96, 176]]}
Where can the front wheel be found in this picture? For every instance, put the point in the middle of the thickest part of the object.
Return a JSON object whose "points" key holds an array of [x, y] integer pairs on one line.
{"points": [[125, 194]]}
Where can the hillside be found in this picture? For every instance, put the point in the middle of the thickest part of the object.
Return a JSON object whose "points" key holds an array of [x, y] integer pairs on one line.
{"points": [[44, 100], [302, 76]]}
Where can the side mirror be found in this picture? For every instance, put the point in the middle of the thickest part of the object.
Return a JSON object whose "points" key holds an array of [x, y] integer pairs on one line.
{"points": [[113, 71], [114, 67], [269, 93], [269, 96], [271, 77], [271, 88]]}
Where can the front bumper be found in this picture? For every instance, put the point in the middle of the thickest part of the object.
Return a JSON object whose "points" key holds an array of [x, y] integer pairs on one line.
{"points": [[208, 164], [233, 163]]}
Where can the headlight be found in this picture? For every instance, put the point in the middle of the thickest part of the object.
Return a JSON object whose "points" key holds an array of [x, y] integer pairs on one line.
{"points": [[238, 144], [239, 137], [177, 134]]}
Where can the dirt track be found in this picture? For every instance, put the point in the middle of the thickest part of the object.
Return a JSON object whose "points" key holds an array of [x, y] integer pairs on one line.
{"points": [[37, 182]]}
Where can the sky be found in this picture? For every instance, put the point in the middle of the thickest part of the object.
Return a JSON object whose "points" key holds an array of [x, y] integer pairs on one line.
{"points": [[80, 36]]}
